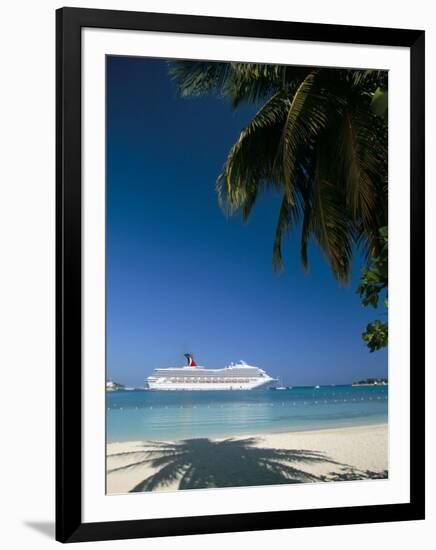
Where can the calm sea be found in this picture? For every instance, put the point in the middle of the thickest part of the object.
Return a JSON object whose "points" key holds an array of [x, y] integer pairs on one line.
{"points": [[138, 415]]}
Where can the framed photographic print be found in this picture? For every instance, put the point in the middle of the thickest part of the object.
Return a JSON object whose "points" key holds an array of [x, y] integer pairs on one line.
{"points": [[235, 199]]}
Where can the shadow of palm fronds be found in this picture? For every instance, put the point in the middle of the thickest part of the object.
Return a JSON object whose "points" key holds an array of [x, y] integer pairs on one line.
{"points": [[347, 473], [204, 463]]}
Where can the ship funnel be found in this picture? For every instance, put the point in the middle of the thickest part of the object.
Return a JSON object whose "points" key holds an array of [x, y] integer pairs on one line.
{"points": [[190, 360]]}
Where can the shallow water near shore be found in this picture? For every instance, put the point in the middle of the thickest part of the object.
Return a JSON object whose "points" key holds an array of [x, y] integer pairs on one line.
{"points": [[140, 414]]}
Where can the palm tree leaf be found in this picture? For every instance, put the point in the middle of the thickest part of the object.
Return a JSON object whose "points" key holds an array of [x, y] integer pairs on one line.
{"points": [[249, 164], [193, 78], [329, 222], [363, 153], [251, 82], [284, 221], [306, 230], [305, 119]]}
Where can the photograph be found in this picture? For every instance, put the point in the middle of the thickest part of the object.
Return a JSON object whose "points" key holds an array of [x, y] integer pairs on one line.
{"points": [[246, 223]]}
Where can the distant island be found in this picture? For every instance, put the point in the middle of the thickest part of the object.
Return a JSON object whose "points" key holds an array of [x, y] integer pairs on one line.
{"points": [[371, 382], [113, 386]]}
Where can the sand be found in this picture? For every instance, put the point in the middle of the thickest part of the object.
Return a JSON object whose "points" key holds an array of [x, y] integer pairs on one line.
{"points": [[339, 454]]}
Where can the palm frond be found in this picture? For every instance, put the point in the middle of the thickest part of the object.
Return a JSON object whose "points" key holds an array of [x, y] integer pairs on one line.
{"points": [[363, 154], [236, 81], [368, 80], [288, 216], [305, 118], [250, 161], [306, 230], [240, 82], [329, 221], [193, 78]]}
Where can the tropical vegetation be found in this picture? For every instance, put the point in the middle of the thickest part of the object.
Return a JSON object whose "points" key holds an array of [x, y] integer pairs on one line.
{"points": [[371, 382], [373, 286], [319, 139]]}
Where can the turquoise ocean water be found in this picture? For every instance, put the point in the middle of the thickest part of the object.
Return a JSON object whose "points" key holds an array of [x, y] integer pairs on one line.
{"points": [[139, 415]]}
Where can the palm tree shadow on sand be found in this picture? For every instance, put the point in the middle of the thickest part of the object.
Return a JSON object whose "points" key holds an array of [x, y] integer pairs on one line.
{"points": [[204, 463]]}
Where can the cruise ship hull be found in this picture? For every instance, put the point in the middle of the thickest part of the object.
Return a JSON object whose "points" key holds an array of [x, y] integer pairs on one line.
{"points": [[172, 386]]}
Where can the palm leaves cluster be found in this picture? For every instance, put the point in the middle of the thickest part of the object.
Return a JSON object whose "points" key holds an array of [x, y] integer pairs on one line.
{"points": [[374, 285], [319, 138]]}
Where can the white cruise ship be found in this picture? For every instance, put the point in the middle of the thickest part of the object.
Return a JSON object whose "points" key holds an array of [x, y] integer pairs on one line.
{"points": [[239, 376]]}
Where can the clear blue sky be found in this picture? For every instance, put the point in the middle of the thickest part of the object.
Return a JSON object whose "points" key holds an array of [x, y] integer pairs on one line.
{"points": [[182, 277]]}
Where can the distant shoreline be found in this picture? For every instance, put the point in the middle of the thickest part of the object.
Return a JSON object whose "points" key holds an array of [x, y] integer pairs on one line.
{"points": [[369, 385]]}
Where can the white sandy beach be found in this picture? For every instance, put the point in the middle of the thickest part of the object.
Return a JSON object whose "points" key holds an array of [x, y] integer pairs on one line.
{"points": [[325, 455]]}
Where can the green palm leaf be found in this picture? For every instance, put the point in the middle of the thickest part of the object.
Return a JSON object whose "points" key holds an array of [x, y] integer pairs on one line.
{"points": [[250, 162], [304, 120]]}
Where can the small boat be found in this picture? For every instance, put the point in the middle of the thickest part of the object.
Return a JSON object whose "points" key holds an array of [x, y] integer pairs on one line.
{"points": [[280, 385], [317, 387]]}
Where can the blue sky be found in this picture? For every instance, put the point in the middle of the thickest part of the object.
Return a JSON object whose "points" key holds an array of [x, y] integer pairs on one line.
{"points": [[181, 276]]}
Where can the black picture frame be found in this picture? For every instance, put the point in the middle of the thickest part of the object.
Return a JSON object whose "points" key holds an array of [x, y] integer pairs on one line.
{"points": [[69, 525]]}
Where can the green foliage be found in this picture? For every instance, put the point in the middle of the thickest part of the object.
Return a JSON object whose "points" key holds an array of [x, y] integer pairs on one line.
{"points": [[376, 335], [379, 103], [374, 278], [319, 138], [373, 284], [373, 381]]}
